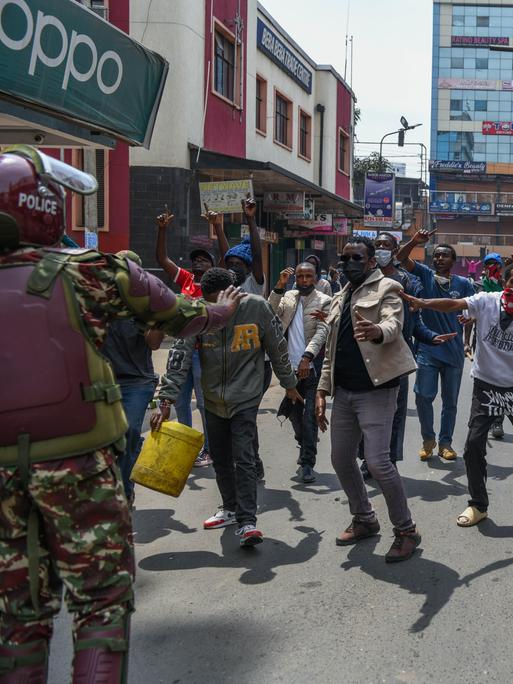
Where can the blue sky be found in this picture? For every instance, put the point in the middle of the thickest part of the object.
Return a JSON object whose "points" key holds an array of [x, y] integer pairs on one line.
{"points": [[391, 65]]}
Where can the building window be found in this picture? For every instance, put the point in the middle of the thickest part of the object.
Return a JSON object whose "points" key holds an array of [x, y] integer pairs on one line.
{"points": [[482, 63], [224, 66], [261, 105], [305, 135], [282, 120], [97, 203], [480, 105], [456, 105], [456, 62], [458, 20], [343, 151], [483, 21]]}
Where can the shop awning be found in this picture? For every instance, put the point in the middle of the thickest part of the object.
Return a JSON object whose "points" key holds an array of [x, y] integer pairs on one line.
{"points": [[269, 177], [74, 73]]}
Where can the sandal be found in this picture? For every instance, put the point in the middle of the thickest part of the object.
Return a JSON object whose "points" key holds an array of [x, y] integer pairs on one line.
{"points": [[471, 516]]}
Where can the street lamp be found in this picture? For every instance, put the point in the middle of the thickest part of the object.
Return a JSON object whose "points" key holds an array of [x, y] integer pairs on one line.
{"points": [[405, 127]]}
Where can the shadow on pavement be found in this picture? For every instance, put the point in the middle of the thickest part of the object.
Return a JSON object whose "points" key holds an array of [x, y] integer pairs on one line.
{"points": [[489, 529], [277, 500], [152, 524], [259, 564], [418, 575], [325, 483], [198, 474]]}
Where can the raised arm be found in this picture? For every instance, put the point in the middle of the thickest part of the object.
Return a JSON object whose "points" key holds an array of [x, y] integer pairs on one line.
{"points": [[214, 220], [163, 221], [443, 305], [420, 238], [249, 211]]}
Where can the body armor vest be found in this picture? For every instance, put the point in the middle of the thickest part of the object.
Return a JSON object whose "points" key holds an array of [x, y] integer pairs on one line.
{"points": [[56, 390]]}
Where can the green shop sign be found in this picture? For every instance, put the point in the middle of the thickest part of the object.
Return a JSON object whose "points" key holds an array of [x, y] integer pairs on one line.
{"points": [[64, 58]]}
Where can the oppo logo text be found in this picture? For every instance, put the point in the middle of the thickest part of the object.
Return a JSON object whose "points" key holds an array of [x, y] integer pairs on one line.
{"points": [[36, 27]]}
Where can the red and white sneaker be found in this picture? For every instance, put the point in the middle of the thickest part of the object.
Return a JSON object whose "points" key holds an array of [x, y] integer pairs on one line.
{"points": [[220, 519], [249, 535]]}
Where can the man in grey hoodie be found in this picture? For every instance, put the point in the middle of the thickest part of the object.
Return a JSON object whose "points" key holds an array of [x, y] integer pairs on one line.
{"points": [[232, 371]]}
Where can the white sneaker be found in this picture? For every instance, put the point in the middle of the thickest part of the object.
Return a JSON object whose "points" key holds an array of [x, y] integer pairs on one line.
{"points": [[249, 535], [220, 519]]}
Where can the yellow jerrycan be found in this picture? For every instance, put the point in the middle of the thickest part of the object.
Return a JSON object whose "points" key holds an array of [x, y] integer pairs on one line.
{"points": [[167, 457]]}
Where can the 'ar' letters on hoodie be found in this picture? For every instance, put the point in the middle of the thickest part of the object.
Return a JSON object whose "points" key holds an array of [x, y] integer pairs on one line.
{"points": [[245, 337]]}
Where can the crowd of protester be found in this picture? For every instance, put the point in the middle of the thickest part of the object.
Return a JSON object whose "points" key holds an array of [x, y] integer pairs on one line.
{"points": [[353, 333]]}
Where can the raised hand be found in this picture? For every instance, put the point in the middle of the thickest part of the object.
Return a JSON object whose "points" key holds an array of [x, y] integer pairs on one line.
{"points": [[422, 236], [249, 207], [414, 303], [163, 220], [284, 278], [366, 331], [211, 216]]}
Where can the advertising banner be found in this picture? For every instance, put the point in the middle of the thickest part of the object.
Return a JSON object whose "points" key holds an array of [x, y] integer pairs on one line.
{"points": [[497, 128], [459, 206], [64, 58], [504, 209], [457, 166], [225, 196], [322, 223], [467, 84], [379, 200], [341, 225], [285, 202], [472, 41], [265, 235]]}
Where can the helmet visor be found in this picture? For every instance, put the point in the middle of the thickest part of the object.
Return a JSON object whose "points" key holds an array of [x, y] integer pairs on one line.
{"points": [[53, 169]]}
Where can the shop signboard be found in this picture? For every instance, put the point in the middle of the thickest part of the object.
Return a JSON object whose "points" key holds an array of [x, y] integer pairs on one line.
{"points": [[225, 197], [285, 203], [467, 84], [497, 128], [322, 223], [379, 200], [341, 225], [63, 58], [265, 235], [318, 245], [460, 206], [271, 45], [371, 234], [473, 41], [504, 209], [457, 166]]}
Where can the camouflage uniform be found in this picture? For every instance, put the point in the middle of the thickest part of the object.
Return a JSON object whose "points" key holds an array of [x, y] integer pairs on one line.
{"points": [[83, 531]]}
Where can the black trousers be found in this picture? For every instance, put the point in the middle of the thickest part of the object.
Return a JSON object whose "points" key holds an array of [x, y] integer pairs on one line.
{"points": [[231, 443], [268, 374], [489, 403]]}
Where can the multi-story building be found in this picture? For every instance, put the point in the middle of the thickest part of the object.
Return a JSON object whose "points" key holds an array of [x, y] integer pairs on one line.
{"points": [[242, 101], [471, 125]]}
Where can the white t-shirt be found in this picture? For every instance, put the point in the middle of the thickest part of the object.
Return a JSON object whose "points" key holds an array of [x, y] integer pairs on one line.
{"points": [[251, 286], [493, 360], [296, 336]]}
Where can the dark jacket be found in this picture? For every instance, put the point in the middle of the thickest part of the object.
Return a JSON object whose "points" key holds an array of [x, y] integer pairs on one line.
{"points": [[232, 360], [414, 326]]}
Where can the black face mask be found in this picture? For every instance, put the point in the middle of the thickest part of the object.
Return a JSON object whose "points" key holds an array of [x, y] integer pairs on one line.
{"points": [[355, 272], [304, 291], [239, 275]]}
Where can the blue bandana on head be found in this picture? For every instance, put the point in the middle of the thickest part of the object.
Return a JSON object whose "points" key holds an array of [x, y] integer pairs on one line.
{"points": [[241, 251]]}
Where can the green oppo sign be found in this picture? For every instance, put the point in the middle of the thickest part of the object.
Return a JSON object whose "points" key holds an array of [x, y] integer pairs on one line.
{"points": [[62, 57]]}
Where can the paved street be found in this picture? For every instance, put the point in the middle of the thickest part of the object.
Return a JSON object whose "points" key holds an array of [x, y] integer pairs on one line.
{"points": [[300, 609]]}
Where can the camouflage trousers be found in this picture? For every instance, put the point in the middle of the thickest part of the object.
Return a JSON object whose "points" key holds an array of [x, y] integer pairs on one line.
{"points": [[85, 544]]}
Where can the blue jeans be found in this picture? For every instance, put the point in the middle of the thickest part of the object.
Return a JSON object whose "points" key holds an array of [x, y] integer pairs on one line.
{"points": [[303, 420], [183, 401], [426, 389], [136, 397]]}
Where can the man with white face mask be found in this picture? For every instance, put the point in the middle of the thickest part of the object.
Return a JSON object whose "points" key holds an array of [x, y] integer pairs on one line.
{"points": [[413, 327]]}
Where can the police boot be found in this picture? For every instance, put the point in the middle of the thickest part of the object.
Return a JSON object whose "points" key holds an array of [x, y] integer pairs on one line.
{"points": [[24, 663], [101, 655]]}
